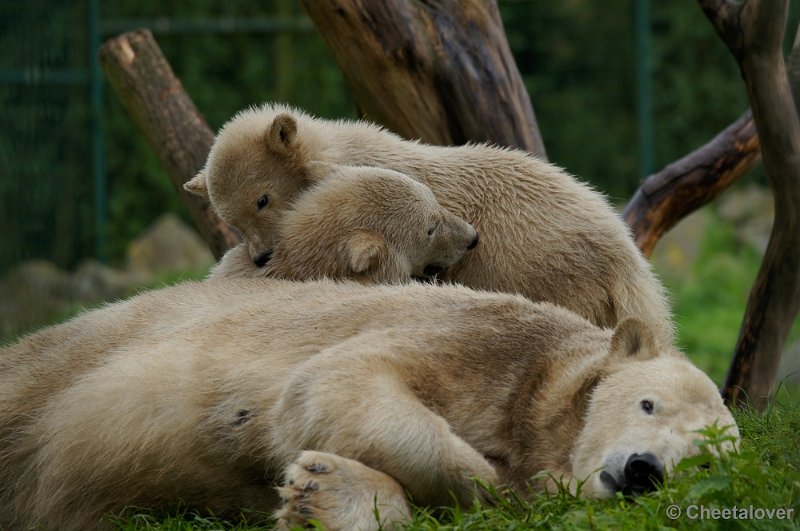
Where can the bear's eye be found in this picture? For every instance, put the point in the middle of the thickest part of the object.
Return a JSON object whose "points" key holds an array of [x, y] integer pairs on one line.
{"points": [[647, 406], [262, 202], [432, 229]]}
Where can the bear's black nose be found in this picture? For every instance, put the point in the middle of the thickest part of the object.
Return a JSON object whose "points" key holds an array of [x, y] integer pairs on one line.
{"points": [[474, 242], [643, 472], [262, 259]]}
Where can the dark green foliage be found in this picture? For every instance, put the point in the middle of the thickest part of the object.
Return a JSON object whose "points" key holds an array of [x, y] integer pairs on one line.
{"points": [[45, 181], [698, 90], [46, 187], [178, 520], [577, 58]]}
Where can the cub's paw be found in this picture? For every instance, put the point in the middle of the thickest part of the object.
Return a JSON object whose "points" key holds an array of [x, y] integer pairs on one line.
{"points": [[339, 493]]}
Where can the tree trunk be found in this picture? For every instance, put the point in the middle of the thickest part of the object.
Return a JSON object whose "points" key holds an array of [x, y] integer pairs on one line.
{"points": [[175, 130], [438, 70], [754, 31]]}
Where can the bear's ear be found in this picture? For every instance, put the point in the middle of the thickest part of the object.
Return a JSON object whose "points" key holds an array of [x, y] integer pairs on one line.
{"points": [[282, 133], [317, 170], [633, 340], [365, 249], [197, 185]]}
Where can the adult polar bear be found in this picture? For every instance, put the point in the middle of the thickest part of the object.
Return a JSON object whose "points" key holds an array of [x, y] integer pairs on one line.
{"points": [[544, 234], [205, 392]]}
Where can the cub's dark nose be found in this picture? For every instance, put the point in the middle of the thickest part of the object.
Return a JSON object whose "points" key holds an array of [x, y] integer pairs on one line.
{"points": [[432, 270], [262, 259], [643, 473], [474, 242]]}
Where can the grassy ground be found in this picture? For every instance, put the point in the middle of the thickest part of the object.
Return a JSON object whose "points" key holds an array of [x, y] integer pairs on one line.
{"points": [[763, 476]]}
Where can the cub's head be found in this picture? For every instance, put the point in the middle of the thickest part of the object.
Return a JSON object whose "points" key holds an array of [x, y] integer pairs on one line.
{"points": [[370, 224], [254, 170], [643, 416]]}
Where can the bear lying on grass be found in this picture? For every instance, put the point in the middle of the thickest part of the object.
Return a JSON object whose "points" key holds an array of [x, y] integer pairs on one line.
{"points": [[205, 393], [360, 223], [544, 235]]}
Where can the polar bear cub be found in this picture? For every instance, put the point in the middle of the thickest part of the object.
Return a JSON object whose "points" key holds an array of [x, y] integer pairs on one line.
{"points": [[544, 234], [358, 223]]}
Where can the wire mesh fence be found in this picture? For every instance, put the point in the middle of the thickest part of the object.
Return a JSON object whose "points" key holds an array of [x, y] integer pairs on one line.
{"points": [[76, 180]]}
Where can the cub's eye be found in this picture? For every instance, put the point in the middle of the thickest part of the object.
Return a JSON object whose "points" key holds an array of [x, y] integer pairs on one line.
{"points": [[262, 202], [432, 229], [647, 406]]}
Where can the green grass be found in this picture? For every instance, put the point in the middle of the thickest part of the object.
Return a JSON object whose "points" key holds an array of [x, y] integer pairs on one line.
{"points": [[709, 299], [764, 473], [179, 520]]}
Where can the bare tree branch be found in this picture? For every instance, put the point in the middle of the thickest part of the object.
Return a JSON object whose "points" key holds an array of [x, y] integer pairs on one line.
{"points": [[793, 70], [666, 197], [723, 15], [679, 189], [170, 122]]}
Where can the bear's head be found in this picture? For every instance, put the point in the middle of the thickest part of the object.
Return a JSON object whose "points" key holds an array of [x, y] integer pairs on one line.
{"points": [[252, 174], [643, 415], [369, 224]]}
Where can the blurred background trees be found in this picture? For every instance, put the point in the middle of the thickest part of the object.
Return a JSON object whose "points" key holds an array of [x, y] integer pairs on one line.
{"points": [[578, 59], [227, 54]]}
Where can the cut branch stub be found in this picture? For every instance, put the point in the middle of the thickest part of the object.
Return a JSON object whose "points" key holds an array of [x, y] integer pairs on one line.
{"points": [[172, 125]]}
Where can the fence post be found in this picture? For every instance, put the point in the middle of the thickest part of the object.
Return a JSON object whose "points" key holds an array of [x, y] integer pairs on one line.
{"points": [[98, 142], [644, 88]]}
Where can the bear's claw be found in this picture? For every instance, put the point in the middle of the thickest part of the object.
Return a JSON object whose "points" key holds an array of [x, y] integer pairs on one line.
{"points": [[317, 468]]}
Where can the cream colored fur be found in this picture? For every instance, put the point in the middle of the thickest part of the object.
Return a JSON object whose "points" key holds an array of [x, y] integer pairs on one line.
{"points": [[359, 223], [206, 392], [543, 234]]}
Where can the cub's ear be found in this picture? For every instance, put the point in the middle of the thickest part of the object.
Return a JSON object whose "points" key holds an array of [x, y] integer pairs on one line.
{"points": [[197, 185], [282, 133], [365, 250], [317, 170], [633, 340]]}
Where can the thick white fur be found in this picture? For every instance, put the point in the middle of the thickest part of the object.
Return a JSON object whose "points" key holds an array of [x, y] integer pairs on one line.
{"points": [[543, 234], [206, 392], [359, 223]]}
